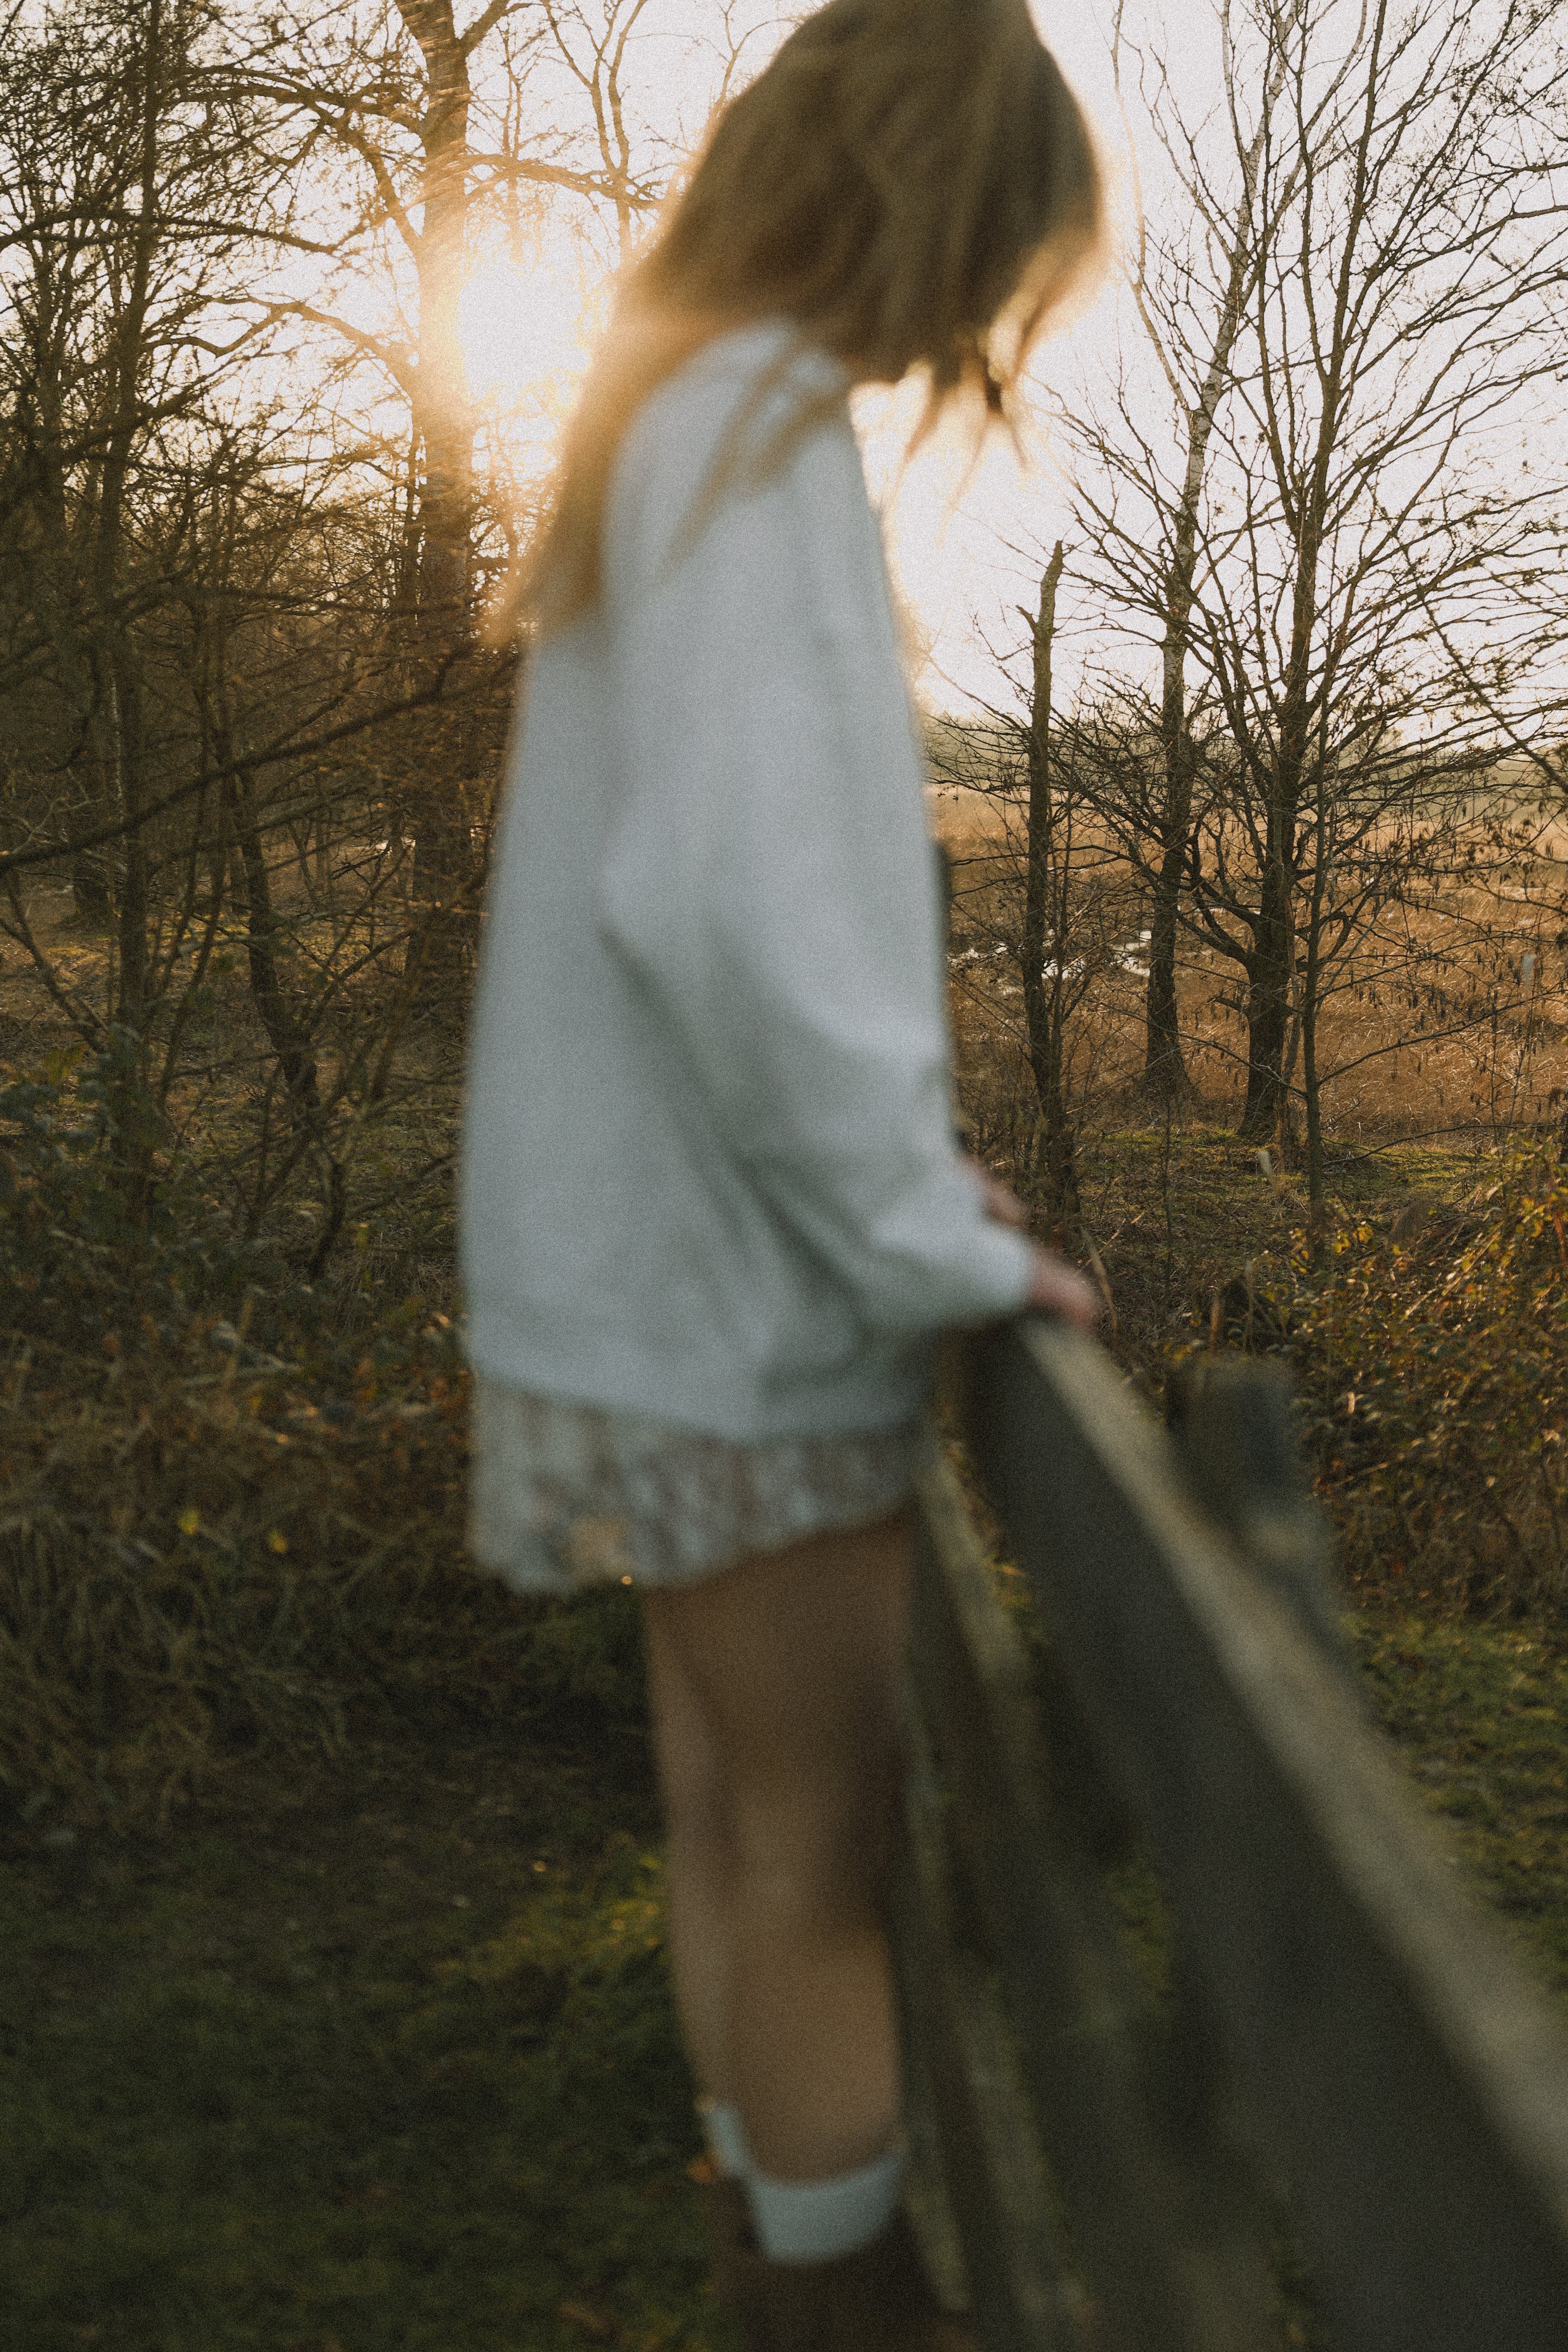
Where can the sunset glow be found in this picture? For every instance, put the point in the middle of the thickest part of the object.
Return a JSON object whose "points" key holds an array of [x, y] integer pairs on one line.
{"points": [[523, 335]]}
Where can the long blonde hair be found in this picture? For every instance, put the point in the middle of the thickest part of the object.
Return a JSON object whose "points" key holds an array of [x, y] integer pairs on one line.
{"points": [[910, 182]]}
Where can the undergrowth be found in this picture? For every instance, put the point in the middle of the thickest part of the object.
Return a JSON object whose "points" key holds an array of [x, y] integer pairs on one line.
{"points": [[339, 1863], [234, 1503], [232, 1517], [1432, 1357]]}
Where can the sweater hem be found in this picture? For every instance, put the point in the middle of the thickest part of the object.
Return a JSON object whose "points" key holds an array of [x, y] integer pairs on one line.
{"points": [[715, 1397]]}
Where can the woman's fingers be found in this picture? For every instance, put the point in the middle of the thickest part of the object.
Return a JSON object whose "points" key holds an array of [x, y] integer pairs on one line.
{"points": [[1058, 1288], [1002, 1206]]}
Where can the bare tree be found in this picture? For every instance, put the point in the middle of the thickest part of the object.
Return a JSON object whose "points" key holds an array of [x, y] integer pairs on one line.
{"points": [[245, 518], [134, 207], [1046, 898], [1225, 216], [1382, 337], [431, 132], [1046, 981]]}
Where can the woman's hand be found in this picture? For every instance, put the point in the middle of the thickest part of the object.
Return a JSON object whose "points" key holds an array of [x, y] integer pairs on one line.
{"points": [[1057, 1289], [1003, 1205]]}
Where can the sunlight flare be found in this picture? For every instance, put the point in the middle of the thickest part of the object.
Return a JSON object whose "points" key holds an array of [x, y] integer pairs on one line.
{"points": [[523, 334]]}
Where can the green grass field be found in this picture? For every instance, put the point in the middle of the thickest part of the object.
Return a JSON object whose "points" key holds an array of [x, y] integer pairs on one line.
{"points": [[384, 2057], [380, 2059]]}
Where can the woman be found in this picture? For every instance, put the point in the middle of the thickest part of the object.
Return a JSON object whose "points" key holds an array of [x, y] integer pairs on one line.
{"points": [[714, 1220]]}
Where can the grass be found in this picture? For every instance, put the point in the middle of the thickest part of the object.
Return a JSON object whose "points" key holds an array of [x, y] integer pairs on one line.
{"points": [[1477, 1713], [380, 2054], [1480, 1713], [1478, 1718], [379, 2058]]}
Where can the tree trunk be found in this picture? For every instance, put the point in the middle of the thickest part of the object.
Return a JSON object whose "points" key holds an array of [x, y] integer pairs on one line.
{"points": [[1164, 1067], [1298, 778], [241, 850], [124, 749], [41, 408], [132, 910], [288, 1038], [1268, 1002], [439, 815], [1044, 1009], [1310, 990]]}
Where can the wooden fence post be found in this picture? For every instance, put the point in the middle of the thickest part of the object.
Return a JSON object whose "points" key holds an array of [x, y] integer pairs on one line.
{"points": [[1399, 2071]]}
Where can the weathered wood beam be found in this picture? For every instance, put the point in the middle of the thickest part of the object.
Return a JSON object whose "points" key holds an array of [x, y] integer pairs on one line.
{"points": [[1021, 2292], [1171, 2262], [1409, 2081]]}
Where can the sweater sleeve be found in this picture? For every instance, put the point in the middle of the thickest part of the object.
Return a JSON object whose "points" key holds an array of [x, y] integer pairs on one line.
{"points": [[769, 878]]}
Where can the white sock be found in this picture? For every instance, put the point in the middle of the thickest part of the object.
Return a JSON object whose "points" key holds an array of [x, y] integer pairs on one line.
{"points": [[816, 2221], [725, 2135]]}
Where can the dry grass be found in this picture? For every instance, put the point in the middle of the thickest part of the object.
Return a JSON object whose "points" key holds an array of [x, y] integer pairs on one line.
{"points": [[1428, 1314], [197, 1562], [1429, 1029], [214, 1550], [232, 1497], [207, 1559]]}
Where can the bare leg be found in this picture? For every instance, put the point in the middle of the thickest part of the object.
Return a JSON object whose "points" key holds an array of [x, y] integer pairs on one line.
{"points": [[776, 1708], [700, 1870]]}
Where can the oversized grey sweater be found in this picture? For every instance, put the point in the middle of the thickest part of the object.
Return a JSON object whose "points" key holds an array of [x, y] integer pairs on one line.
{"points": [[709, 1172]]}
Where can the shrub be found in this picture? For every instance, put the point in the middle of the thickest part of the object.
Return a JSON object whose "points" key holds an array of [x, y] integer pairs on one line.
{"points": [[98, 1219], [1436, 1370], [226, 1525]]}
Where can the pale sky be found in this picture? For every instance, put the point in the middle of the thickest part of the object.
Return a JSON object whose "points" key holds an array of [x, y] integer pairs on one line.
{"points": [[966, 538]]}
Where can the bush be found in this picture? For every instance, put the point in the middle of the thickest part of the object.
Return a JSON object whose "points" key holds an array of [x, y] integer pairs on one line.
{"points": [[1435, 1370], [226, 1525], [98, 1220]]}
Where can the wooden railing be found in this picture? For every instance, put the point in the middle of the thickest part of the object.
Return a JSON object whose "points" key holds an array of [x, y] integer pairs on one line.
{"points": [[1315, 2050]]}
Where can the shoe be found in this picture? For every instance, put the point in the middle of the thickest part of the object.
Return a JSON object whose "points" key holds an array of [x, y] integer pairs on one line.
{"points": [[876, 2299]]}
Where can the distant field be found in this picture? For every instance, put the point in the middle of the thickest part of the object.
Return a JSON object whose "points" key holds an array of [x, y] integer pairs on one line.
{"points": [[1434, 1028]]}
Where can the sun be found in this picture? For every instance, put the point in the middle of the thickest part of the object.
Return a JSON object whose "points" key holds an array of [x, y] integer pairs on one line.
{"points": [[523, 333]]}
